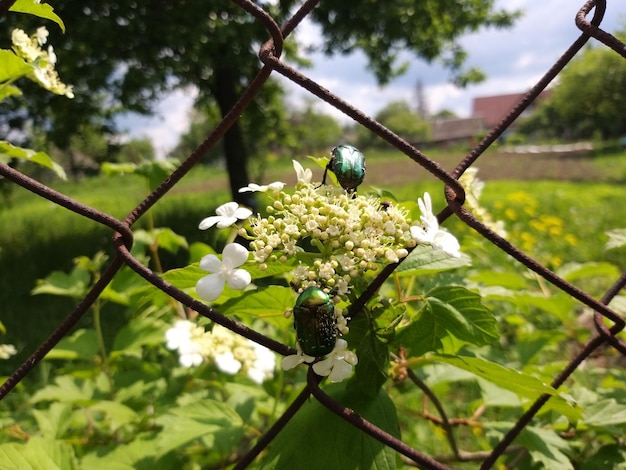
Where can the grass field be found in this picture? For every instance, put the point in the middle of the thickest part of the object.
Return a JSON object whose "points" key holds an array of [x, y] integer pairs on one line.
{"points": [[584, 196]]}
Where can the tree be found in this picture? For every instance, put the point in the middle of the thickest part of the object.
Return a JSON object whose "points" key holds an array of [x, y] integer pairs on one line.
{"points": [[588, 101], [122, 56], [399, 118], [313, 131]]}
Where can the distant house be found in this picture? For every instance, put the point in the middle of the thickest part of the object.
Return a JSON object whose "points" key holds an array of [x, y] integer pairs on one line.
{"points": [[455, 131], [492, 109]]}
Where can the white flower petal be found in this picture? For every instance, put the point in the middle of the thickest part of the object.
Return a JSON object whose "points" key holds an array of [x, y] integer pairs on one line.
{"points": [[210, 287], [289, 362], [243, 213], [304, 176], [227, 363], [227, 210], [190, 359], [210, 263], [239, 279], [341, 370], [448, 243], [276, 186], [209, 222], [252, 187], [226, 221], [235, 254], [324, 367]]}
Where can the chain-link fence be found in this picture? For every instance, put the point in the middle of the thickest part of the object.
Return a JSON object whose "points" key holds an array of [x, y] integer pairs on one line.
{"points": [[270, 55]]}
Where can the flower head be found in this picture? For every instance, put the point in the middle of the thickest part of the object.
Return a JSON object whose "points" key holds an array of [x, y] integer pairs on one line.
{"points": [[338, 364], [227, 214], [430, 233], [7, 350], [42, 62], [304, 176], [223, 272], [275, 187], [188, 339]]}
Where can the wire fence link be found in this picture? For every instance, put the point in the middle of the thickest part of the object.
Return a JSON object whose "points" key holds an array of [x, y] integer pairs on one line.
{"points": [[607, 322]]}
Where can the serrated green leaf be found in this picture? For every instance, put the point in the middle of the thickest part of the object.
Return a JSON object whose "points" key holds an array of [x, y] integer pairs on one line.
{"points": [[424, 260], [317, 438], [524, 385], [448, 310], [268, 303], [12, 67], [54, 420], [82, 344], [42, 10], [607, 414], [8, 151], [125, 456], [545, 447], [37, 454], [273, 269], [184, 278], [73, 285], [117, 414], [66, 390], [207, 419]]}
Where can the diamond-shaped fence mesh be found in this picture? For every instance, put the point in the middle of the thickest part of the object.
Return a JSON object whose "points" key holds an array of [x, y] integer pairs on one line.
{"points": [[607, 322]]}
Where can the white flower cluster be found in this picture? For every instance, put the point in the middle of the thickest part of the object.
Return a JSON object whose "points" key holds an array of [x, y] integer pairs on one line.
{"points": [[335, 236], [7, 350], [43, 62], [351, 235], [230, 352]]}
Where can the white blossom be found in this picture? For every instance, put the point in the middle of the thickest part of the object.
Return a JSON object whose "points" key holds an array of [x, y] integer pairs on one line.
{"points": [[431, 234], [275, 187], [227, 214], [289, 362], [7, 350], [186, 338], [223, 272], [304, 176], [338, 364]]}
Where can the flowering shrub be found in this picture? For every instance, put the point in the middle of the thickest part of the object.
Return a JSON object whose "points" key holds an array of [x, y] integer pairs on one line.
{"points": [[335, 241]]}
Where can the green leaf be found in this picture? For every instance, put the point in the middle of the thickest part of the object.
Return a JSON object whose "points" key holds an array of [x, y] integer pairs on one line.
{"points": [[72, 285], [12, 67], [37, 454], [209, 419], [42, 10], [505, 279], [66, 390], [317, 438], [141, 453], [137, 333], [273, 269], [572, 272], [8, 151], [268, 303], [82, 344], [197, 250], [611, 456], [54, 420], [184, 278], [371, 371], [424, 260], [448, 310], [9, 90], [606, 414], [117, 413], [545, 447], [164, 238], [524, 385]]}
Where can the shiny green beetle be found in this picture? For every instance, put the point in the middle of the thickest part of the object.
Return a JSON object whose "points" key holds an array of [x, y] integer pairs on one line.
{"points": [[348, 165], [314, 321]]}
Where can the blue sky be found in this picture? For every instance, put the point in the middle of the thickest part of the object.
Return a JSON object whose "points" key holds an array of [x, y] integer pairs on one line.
{"points": [[513, 59]]}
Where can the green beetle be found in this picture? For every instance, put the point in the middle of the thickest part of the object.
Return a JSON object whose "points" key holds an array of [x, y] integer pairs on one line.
{"points": [[348, 165], [314, 321]]}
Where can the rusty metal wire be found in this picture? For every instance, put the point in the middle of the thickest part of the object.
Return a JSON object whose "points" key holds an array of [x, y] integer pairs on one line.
{"points": [[270, 56]]}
